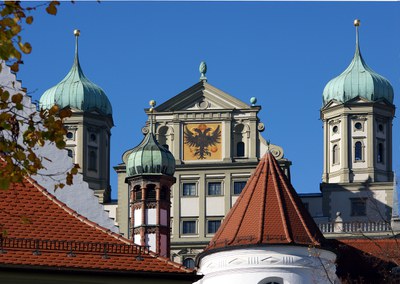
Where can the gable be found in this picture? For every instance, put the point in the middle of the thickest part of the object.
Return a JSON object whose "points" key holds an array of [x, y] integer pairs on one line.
{"points": [[201, 96]]}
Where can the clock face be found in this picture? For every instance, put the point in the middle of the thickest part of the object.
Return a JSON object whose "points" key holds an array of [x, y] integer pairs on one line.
{"points": [[202, 141]]}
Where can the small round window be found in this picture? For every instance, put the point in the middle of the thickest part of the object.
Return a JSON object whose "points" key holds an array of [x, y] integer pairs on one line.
{"points": [[93, 137], [335, 129], [380, 127], [70, 135], [358, 126]]}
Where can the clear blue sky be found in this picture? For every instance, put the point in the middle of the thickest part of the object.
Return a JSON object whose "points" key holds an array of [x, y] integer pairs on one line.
{"points": [[282, 53]]}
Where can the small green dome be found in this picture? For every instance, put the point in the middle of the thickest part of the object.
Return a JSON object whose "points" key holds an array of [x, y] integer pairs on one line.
{"points": [[358, 80], [150, 158], [76, 91]]}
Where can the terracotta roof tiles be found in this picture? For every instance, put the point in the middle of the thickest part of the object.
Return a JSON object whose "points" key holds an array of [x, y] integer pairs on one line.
{"points": [[268, 211], [38, 230]]}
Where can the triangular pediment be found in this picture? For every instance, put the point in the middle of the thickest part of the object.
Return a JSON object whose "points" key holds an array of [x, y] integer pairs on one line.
{"points": [[201, 96], [331, 103]]}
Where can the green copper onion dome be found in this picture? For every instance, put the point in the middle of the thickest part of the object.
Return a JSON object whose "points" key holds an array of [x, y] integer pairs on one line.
{"points": [[76, 91], [149, 157], [358, 80]]}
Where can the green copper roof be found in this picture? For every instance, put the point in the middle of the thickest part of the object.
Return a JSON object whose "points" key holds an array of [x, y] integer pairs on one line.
{"points": [[358, 80], [150, 158], [76, 91]]}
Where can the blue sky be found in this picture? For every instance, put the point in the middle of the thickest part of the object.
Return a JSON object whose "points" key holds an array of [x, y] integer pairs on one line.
{"points": [[283, 53]]}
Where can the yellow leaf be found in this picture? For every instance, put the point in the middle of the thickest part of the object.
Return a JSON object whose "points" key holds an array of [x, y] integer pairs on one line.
{"points": [[51, 9], [17, 98], [26, 47], [29, 20]]}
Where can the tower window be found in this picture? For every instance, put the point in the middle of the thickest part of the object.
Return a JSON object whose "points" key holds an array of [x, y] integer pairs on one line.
{"points": [[335, 129], [380, 157], [358, 126], [70, 135], [214, 188], [93, 137], [335, 155], [240, 149], [238, 187], [138, 192], [380, 127], [358, 206], [92, 160], [70, 153], [151, 192], [358, 151]]}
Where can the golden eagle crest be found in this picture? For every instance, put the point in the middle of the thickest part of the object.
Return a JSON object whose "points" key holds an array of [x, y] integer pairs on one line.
{"points": [[201, 139]]}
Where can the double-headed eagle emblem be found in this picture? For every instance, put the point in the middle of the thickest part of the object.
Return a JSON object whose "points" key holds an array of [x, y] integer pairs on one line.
{"points": [[203, 139]]}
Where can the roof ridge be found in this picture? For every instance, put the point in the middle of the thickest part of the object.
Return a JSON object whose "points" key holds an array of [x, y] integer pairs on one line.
{"points": [[78, 216], [301, 217], [280, 203]]}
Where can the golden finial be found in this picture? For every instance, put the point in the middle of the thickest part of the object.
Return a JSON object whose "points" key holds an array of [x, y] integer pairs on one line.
{"points": [[152, 103], [77, 32], [357, 22]]}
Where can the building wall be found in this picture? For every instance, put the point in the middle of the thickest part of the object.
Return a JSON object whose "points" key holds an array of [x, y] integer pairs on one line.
{"points": [[203, 109]]}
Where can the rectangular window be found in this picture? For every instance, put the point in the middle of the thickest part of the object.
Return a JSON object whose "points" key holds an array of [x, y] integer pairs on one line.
{"points": [[189, 227], [238, 187], [189, 189], [358, 206], [212, 226], [214, 188]]}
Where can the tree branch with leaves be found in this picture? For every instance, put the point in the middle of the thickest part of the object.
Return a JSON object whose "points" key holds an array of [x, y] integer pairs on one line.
{"points": [[22, 127]]}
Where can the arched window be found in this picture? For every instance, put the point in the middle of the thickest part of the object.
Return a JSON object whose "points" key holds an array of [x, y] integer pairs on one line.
{"points": [[335, 155], [151, 192], [239, 140], [138, 192], [240, 149], [70, 153], [380, 157], [358, 151], [188, 262], [92, 160], [271, 280]]}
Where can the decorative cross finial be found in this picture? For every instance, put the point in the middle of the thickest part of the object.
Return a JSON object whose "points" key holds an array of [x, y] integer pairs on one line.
{"points": [[203, 71]]}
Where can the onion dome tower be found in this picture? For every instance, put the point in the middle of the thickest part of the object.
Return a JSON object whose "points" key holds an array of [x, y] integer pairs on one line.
{"points": [[357, 116], [150, 175], [89, 127], [268, 236]]}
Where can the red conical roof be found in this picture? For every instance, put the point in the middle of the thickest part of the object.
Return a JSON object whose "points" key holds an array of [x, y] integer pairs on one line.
{"points": [[268, 211]]}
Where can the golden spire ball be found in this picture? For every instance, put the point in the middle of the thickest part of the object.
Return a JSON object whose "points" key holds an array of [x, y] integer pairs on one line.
{"points": [[77, 32], [357, 22]]}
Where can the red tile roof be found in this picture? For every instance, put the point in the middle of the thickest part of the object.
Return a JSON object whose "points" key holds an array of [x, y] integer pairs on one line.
{"points": [[385, 249], [38, 230], [268, 211], [367, 260]]}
